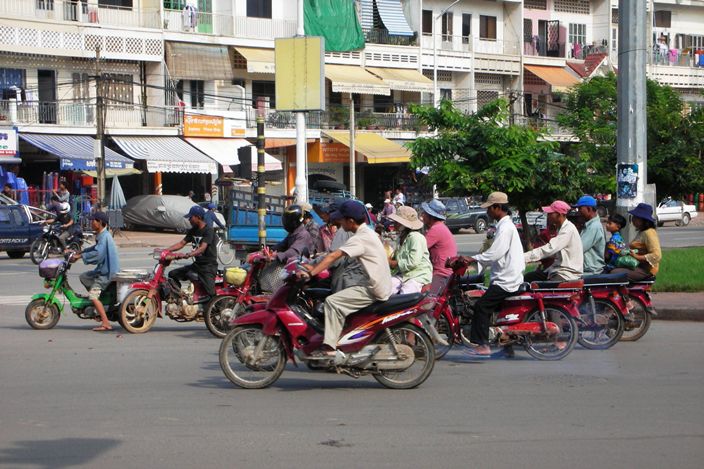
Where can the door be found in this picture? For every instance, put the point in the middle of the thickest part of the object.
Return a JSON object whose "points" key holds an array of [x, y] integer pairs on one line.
{"points": [[553, 39], [670, 211], [47, 96]]}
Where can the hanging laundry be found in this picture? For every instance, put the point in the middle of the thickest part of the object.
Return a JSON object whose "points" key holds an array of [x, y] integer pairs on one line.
{"points": [[190, 15]]}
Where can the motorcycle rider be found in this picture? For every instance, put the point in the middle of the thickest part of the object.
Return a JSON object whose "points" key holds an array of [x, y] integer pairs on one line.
{"points": [[212, 218], [298, 241], [107, 263], [205, 266], [62, 211], [566, 247], [593, 238], [365, 246], [505, 256]]}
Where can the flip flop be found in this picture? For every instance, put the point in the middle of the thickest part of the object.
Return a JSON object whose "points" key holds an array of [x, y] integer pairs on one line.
{"points": [[102, 329]]}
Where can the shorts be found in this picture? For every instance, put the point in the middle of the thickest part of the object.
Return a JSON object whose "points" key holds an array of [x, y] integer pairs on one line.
{"points": [[94, 283]]}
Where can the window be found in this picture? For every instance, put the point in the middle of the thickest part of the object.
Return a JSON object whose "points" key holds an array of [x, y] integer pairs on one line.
{"points": [[446, 93], [447, 26], [466, 27], [116, 3], [577, 34], [118, 88], [197, 94], [259, 8], [487, 27], [383, 103], [264, 89], [45, 4], [536, 4], [11, 77], [527, 30], [427, 22], [81, 86], [572, 6], [663, 19]]}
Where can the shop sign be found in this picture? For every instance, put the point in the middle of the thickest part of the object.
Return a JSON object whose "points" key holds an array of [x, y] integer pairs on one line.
{"points": [[8, 142], [335, 153], [203, 126]]}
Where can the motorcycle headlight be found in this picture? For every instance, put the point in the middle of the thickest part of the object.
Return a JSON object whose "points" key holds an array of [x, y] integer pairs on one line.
{"points": [[45, 229]]}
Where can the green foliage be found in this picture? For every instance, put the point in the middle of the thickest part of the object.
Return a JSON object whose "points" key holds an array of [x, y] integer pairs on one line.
{"points": [[481, 153], [675, 161]]}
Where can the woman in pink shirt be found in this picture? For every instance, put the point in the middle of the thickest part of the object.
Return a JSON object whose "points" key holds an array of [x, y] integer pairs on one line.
{"points": [[441, 243]]}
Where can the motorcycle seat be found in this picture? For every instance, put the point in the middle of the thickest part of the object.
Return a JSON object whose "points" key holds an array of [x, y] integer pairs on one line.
{"points": [[558, 285], [394, 303], [646, 281], [471, 280], [318, 293], [606, 279]]}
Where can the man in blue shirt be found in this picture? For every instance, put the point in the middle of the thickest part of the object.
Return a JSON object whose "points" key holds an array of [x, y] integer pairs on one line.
{"points": [[105, 258], [211, 217], [593, 239]]}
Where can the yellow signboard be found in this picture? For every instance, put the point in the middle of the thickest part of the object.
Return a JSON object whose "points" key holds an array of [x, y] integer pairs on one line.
{"points": [[203, 126], [300, 74]]}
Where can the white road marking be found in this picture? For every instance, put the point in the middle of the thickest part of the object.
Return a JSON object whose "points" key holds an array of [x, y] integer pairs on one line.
{"points": [[15, 300]]}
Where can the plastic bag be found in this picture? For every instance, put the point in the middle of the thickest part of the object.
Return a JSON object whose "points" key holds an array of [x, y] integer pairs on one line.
{"points": [[627, 262]]}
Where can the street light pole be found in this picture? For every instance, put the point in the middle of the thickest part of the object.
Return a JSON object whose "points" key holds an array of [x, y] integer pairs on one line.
{"points": [[301, 160], [436, 100]]}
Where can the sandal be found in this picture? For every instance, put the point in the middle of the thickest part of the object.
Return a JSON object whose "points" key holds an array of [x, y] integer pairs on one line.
{"points": [[102, 328]]}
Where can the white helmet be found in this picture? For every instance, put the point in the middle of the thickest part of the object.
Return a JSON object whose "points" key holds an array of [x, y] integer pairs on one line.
{"points": [[63, 207]]}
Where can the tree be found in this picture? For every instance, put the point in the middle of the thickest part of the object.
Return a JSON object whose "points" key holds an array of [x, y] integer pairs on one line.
{"points": [[481, 153], [674, 146]]}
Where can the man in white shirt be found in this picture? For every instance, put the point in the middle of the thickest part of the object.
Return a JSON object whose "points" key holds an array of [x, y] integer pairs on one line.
{"points": [[399, 198], [566, 247], [365, 246], [505, 257]]}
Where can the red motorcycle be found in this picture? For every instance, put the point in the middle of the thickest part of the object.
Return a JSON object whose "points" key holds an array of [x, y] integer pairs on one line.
{"points": [[640, 310], [149, 299], [602, 310], [540, 321], [384, 340], [234, 298]]}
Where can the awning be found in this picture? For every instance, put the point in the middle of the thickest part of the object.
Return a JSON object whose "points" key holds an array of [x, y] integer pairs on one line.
{"points": [[198, 61], [258, 60], [403, 79], [166, 154], [109, 173], [224, 151], [352, 79], [374, 147], [391, 13], [557, 77], [75, 152]]}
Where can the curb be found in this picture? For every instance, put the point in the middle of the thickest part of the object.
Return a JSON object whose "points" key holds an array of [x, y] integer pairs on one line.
{"points": [[669, 314]]}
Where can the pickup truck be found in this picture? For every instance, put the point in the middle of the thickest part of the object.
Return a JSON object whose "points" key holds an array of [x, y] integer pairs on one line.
{"points": [[675, 210], [17, 230], [463, 214]]}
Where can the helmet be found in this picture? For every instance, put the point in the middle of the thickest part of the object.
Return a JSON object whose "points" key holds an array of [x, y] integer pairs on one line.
{"points": [[292, 218], [62, 208], [211, 206]]}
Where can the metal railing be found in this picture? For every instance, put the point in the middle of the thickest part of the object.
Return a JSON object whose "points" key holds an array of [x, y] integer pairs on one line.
{"points": [[201, 22], [81, 12], [263, 28], [471, 44], [539, 48], [338, 118], [382, 36], [582, 52], [678, 58]]}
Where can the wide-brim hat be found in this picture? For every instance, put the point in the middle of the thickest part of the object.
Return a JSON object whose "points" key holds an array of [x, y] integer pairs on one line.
{"points": [[644, 211], [434, 208], [407, 217]]}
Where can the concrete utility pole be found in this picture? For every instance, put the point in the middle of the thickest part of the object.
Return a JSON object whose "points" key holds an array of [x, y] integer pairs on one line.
{"points": [[99, 145], [261, 168], [631, 134], [301, 157], [353, 159]]}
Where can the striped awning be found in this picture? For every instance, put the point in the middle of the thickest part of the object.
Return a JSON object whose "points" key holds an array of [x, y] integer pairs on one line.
{"points": [[391, 13], [75, 152], [403, 79], [198, 61], [224, 151], [354, 79], [166, 154], [557, 77], [258, 60]]}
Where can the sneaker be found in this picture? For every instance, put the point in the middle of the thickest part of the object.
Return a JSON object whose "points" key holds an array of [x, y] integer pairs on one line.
{"points": [[479, 351]]}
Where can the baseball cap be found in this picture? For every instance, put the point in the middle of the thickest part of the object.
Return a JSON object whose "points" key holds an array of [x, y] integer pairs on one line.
{"points": [[368, 205], [350, 209], [586, 201], [494, 198], [387, 201], [558, 206], [100, 216], [195, 211]]}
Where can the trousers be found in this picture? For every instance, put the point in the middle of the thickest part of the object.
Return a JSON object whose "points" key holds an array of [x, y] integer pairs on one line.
{"points": [[399, 287], [340, 305], [483, 310], [206, 277]]}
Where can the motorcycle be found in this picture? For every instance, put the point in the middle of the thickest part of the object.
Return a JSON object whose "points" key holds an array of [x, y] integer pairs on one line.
{"points": [[50, 243], [234, 298], [384, 340], [44, 309], [148, 299], [540, 321], [640, 308], [602, 310]]}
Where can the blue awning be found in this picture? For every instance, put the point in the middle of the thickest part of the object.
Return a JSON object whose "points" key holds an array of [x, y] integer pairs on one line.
{"points": [[75, 152], [391, 13]]}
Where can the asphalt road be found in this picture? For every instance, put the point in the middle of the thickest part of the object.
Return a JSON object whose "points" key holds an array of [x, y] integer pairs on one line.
{"points": [[469, 242], [75, 398]]}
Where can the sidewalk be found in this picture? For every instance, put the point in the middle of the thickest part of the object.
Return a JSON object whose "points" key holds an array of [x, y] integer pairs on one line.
{"points": [[146, 239], [679, 306]]}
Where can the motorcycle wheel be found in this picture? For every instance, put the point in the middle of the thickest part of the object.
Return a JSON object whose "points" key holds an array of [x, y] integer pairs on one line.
{"points": [[443, 328], [219, 312], [75, 246], [131, 318], [39, 250], [226, 254], [423, 362], [558, 347], [40, 315], [635, 329], [236, 352], [600, 337]]}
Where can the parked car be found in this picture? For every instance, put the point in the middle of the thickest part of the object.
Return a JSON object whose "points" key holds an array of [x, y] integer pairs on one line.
{"points": [[461, 213], [164, 212], [675, 210], [18, 230]]}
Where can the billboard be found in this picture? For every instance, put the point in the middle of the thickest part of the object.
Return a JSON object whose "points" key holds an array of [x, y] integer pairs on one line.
{"points": [[300, 74]]}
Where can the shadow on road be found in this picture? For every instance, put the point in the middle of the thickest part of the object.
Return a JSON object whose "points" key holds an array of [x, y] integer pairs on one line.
{"points": [[65, 452]]}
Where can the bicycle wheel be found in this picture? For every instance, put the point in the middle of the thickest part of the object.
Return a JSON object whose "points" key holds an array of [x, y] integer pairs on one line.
{"points": [[226, 254]]}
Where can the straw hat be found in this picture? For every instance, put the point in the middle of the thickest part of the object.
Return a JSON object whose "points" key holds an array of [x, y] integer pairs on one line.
{"points": [[408, 217]]}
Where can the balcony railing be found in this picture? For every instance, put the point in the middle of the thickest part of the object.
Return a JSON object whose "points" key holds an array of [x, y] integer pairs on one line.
{"points": [[337, 118], [202, 22], [539, 48], [581, 52], [263, 28], [677, 58], [471, 44], [382, 36]]}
